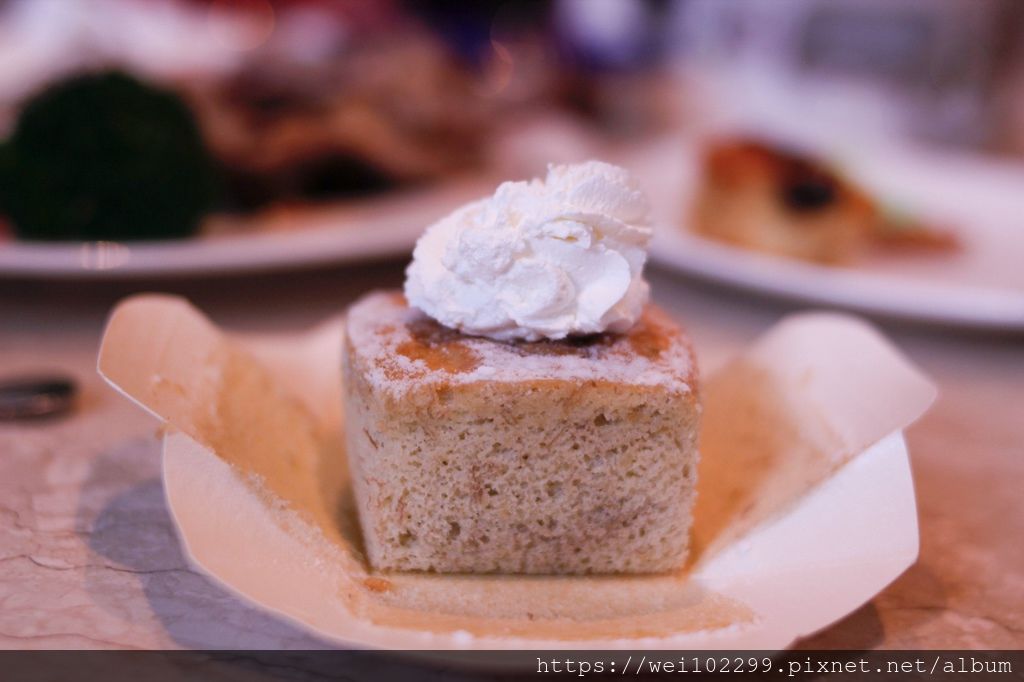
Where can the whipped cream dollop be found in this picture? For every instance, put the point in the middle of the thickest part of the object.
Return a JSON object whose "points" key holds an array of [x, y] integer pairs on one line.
{"points": [[551, 258]]}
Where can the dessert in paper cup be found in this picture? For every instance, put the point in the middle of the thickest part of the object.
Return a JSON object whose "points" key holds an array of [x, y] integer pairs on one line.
{"points": [[516, 452]]}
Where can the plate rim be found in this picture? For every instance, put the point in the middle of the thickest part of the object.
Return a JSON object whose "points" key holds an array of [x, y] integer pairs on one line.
{"points": [[977, 307]]}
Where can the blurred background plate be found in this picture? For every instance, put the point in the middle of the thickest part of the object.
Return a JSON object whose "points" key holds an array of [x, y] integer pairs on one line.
{"points": [[285, 238], [933, 301], [981, 285]]}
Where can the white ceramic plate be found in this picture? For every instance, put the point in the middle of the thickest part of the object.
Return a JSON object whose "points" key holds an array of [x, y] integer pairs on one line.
{"points": [[879, 293], [981, 286], [362, 230]]}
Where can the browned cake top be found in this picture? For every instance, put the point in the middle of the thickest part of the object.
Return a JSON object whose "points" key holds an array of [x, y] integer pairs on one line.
{"points": [[399, 346]]}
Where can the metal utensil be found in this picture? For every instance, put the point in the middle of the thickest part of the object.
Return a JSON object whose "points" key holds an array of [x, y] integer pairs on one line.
{"points": [[36, 396]]}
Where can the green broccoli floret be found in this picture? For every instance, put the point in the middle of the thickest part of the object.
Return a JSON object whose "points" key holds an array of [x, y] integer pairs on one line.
{"points": [[105, 157]]}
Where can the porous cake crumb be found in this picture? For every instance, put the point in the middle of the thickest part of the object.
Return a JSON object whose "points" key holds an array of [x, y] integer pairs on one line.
{"points": [[475, 455]]}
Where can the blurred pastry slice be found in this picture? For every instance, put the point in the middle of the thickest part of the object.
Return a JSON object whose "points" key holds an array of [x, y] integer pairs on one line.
{"points": [[766, 198]]}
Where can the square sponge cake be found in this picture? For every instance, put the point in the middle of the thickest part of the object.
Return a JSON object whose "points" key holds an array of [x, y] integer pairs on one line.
{"points": [[479, 456]]}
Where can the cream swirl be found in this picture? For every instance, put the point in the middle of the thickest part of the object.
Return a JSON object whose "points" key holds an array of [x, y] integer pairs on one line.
{"points": [[550, 258]]}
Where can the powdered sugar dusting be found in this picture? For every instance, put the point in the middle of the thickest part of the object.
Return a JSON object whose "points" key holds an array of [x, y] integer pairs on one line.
{"points": [[401, 348]]}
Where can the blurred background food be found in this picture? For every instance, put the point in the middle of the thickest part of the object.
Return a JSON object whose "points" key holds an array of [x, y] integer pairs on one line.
{"points": [[767, 197], [103, 156], [296, 101], [144, 119]]}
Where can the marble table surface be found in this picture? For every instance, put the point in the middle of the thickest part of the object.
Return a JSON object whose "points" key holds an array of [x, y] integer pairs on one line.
{"points": [[89, 557]]}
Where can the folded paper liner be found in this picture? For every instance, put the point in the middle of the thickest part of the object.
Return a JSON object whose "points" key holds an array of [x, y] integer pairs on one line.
{"points": [[805, 502]]}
